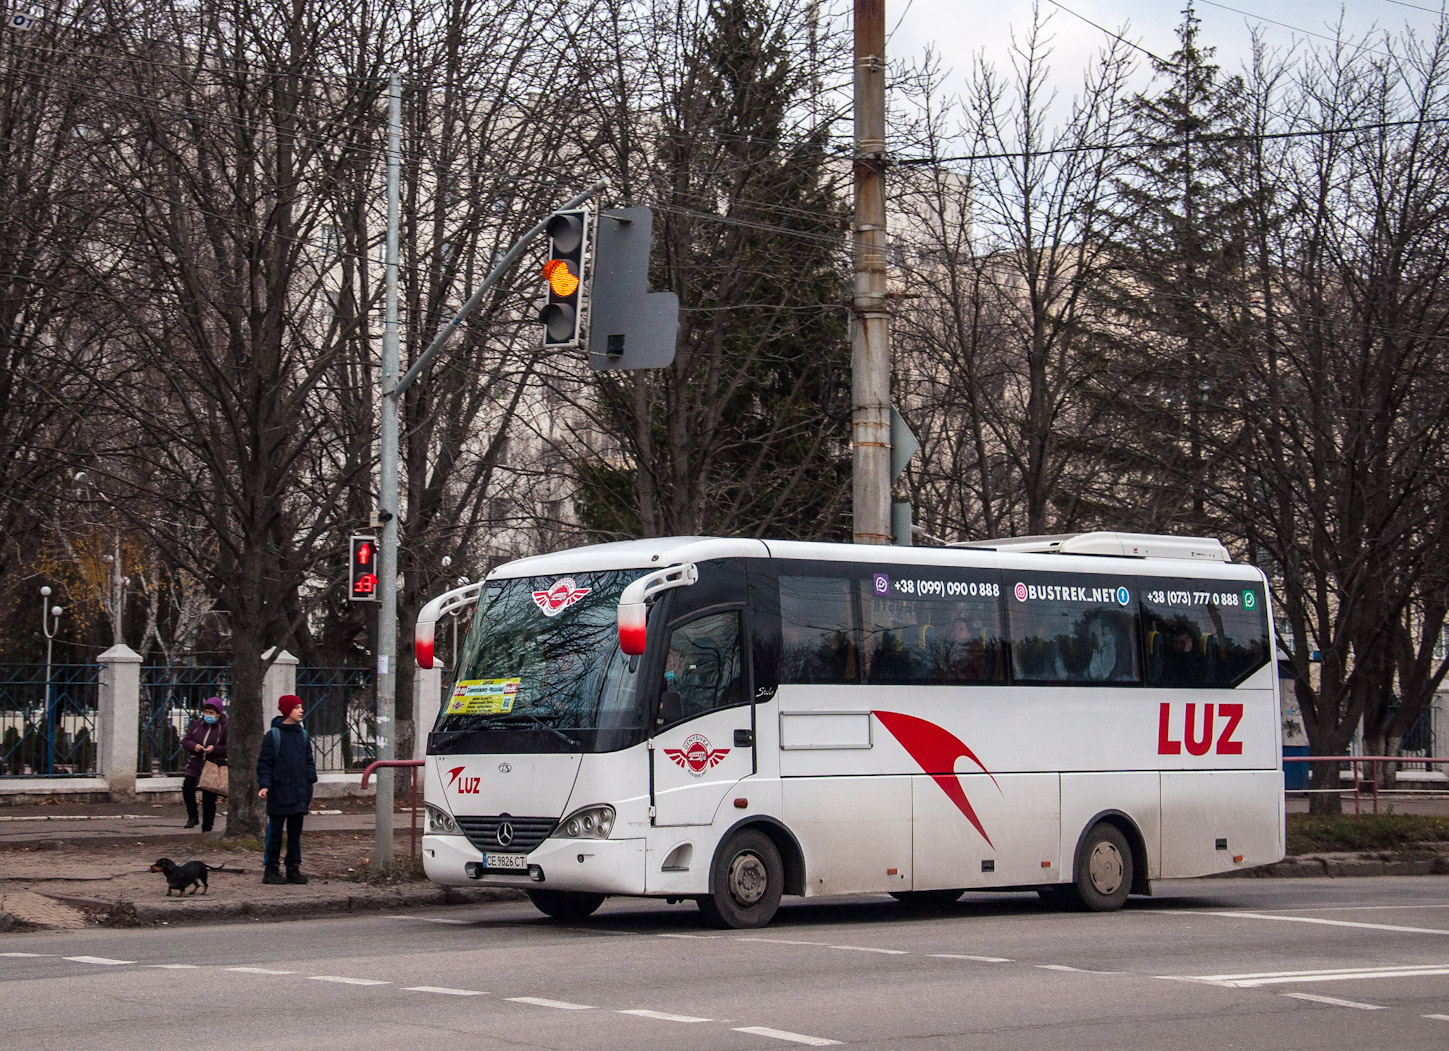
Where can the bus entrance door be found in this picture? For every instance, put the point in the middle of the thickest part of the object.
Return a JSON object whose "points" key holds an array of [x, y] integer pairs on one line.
{"points": [[707, 744], [697, 763]]}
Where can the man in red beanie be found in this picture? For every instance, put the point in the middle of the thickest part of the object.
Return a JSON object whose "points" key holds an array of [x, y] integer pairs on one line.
{"points": [[286, 772]]}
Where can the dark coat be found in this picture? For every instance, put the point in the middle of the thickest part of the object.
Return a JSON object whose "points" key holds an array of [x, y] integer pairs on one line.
{"points": [[287, 772], [199, 734]]}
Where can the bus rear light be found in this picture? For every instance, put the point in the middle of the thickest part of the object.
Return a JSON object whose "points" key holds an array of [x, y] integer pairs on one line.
{"points": [[1237, 859], [1046, 864]]}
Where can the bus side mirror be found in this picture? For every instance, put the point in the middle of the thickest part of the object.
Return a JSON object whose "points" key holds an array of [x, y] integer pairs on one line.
{"points": [[671, 708], [633, 610]]}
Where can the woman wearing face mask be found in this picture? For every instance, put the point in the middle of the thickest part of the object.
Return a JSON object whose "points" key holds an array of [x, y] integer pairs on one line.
{"points": [[205, 739]]}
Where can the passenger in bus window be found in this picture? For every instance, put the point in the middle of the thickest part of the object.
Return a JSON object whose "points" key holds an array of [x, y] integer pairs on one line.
{"points": [[966, 653], [1184, 659]]}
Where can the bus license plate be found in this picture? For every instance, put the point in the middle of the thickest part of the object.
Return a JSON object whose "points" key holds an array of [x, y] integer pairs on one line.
{"points": [[505, 861]]}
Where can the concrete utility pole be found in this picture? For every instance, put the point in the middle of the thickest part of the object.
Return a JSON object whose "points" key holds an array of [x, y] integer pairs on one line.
{"points": [[387, 493], [870, 353]]}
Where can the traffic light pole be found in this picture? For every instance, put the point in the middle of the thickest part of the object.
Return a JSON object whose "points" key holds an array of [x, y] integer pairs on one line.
{"points": [[387, 494], [870, 352]]}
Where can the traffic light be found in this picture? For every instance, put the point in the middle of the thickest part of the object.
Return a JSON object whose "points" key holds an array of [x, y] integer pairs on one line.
{"points": [[362, 570], [568, 237], [630, 327]]}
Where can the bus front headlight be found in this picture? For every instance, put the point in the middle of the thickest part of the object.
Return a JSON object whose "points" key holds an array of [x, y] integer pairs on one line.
{"points": [[439, 822], [592, 822]]}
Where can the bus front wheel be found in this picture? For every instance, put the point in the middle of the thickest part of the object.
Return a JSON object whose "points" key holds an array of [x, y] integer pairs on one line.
{"points": [[565, 905], [748, 878], [1104, 869]]}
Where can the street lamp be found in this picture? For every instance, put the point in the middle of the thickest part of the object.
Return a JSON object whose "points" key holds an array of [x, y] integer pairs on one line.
{"points": [[118, 595], [49, 624]]}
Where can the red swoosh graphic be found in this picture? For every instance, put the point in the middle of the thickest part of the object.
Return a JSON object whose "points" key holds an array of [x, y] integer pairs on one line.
{"points": [[936, 749]]}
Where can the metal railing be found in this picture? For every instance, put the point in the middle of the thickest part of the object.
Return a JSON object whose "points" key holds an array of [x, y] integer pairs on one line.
{"points": [[413, 765], [341, 707], [171, 697], [1363, 773], [49, 729]]}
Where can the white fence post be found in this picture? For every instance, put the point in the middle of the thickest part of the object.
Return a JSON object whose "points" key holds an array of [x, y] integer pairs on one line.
{"points": [[280, 678], [118, 710], [427, 700]]}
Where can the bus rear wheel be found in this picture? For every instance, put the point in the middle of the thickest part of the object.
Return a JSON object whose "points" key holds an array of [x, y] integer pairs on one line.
{"points": [[1103, 869], [564, 904], [748, 878]]}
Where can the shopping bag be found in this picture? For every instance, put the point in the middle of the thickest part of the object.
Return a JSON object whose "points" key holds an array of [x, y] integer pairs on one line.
{"points": [[213, 778]]}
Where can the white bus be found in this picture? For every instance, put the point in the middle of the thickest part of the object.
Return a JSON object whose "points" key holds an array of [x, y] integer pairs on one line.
{"points": [[732, 720]]}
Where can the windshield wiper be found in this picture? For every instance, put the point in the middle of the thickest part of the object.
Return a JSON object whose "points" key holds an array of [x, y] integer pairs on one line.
{"points": [[537, 722]]}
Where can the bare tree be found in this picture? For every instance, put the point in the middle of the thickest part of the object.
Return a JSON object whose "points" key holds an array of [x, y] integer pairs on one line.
{"points": [[1008, 247]]}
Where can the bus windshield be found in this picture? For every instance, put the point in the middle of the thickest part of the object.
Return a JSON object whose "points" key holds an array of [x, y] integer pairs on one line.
{"points": [[542, 659]]}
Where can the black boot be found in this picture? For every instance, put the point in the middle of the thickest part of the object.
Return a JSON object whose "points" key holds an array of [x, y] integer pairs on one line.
{"points": [[191, 822], [294, 875], [272, 874]]}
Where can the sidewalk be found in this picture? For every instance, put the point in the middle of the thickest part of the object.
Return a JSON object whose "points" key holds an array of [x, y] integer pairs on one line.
{"points": [[70, 866]]}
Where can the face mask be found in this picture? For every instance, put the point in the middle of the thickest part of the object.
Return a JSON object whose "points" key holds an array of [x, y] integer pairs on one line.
{"points": [[209, 718]]}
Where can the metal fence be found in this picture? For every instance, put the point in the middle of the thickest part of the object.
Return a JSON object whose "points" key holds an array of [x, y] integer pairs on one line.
{"points": [[172, 696], [341, 715], [48, 729]]}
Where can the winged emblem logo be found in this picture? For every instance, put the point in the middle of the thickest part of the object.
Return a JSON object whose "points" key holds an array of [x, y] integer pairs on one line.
{"points": [[560, 597], [696, 756]]}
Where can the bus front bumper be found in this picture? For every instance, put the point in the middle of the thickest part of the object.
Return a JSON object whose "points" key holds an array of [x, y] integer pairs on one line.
{"points": [[600, 866]]}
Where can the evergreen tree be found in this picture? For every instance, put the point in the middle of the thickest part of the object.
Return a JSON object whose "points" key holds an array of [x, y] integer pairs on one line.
{"points": [[747, 431], [1181, 287]]}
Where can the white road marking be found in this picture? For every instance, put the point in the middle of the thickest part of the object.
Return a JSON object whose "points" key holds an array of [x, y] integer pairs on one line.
{"points": [[664, 1017], [978, 959], [97, 959], [428, 919], [1319, 920], [174, 966], [340, 980], [562, 1005], [258, 970], [702, 937], [1060, 967], [444, 990], [1334, 1001], [27, 954], [828, 945], [1336, 974], [780, 1034], [1437, 1018]]}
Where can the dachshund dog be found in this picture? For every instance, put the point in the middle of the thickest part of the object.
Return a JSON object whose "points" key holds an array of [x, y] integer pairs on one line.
{"points": [[180, 877]]}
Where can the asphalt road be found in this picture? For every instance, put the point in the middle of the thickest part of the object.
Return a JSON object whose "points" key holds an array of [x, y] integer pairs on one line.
{"points": [[1270, 964]]}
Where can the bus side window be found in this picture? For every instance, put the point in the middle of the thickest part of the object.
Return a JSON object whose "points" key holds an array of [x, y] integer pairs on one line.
{"points": [[702, 664]]}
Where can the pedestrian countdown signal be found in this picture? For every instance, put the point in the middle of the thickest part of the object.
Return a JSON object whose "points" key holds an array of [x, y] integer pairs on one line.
{"points": [[362, 570]]}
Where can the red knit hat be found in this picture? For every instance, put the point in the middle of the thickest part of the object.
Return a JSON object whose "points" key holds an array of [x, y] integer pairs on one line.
{"points": [[287, 702]]}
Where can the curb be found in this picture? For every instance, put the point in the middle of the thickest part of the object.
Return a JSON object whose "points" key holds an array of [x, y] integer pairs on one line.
{"points": [[126, 913], [1388, 863]]}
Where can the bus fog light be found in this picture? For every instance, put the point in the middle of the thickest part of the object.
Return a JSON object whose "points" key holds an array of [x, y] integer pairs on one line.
{"points": [[535, 873], [591, 822]]}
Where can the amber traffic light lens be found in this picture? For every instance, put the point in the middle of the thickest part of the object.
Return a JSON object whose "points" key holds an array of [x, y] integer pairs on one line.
{"points": [[561, 279]]}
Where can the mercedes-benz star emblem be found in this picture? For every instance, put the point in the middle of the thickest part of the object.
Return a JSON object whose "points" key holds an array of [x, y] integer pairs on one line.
{"points": [[504, 768], [505, 833]]}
